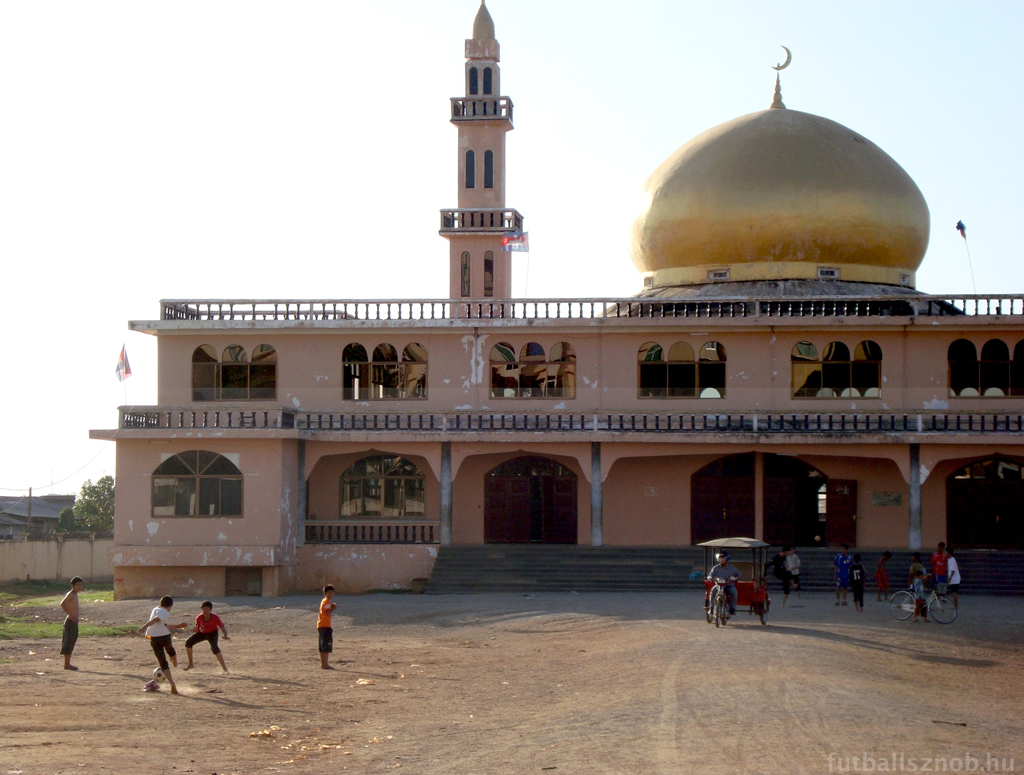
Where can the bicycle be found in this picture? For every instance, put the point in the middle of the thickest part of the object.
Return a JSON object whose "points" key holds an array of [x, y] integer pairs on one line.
{"points": [[939, 607]]}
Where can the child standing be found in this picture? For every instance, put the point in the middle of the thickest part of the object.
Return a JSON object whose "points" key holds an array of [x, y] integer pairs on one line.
{"points": [[857, 583], [842, 564], [793, 566], [207, 624], [882, 575], [70, 607], [915, 566], [323, 627], [920, 595], [158, 631]]}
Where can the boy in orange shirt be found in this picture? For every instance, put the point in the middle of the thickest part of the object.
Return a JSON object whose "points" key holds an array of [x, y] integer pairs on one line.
{"points": [[323, 627]]}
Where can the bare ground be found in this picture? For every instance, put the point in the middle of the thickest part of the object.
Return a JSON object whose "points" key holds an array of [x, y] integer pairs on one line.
{"points": [[590, 683]]}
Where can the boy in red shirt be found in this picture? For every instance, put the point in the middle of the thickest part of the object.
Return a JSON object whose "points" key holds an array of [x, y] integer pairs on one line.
{"points": [[940, 565], [207, 624], [324, 629]]}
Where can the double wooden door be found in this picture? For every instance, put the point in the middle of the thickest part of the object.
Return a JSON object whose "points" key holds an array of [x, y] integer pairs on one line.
{"points": [[530, 500]]}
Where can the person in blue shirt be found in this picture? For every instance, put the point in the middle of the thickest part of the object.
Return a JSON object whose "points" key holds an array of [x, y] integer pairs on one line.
{"points": [[842, 564]]}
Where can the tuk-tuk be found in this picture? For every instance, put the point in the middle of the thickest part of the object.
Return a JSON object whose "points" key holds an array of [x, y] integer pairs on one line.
{"points": [[751, 588]]}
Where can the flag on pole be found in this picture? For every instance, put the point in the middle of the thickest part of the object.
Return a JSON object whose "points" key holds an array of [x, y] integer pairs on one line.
{"points": [[962, 229], [516, 241], [123, 370]]}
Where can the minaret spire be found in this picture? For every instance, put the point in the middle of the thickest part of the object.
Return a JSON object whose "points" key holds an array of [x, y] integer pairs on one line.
{"points": [[777, 102], [479, 268]]}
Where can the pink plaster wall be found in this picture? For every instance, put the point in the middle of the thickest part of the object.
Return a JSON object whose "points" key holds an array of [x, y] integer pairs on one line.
{"points": [[176, 581], [357, 568]]}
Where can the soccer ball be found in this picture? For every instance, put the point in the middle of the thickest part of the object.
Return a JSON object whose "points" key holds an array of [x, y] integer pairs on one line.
{"points": [[158, 675]]}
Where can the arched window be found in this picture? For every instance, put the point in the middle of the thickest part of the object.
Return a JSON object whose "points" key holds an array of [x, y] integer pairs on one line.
{"points": [[652, 375], [562, 371], [711, 371], [995, 368], [867, 369], [204, 373], [470, 169], [534, 374], [382, 487], [488, 81], [533, 371], [488, 274], [385, 377], [233, 377], [465, 275], [682, 371], [964, 374], [837, 375], [474, 81], [488, 169], [1017, 370], [806, 370], [197, 484]]}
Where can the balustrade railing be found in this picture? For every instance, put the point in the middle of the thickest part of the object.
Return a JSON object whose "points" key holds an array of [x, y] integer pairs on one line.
{"points": [[571, 309], [492, 220], [222, 417], [473, 109], [373, 532]]}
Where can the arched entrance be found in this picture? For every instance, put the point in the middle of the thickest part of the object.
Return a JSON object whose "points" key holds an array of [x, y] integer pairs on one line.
{"points": [[530, 500], [985, 505], [802, 506]]}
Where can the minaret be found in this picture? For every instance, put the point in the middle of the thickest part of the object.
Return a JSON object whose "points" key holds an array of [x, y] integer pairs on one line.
{"points": [[479, 268]]}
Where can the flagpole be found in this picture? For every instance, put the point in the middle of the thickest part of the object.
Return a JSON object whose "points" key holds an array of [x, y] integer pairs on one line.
{"points": [[970, 264]]}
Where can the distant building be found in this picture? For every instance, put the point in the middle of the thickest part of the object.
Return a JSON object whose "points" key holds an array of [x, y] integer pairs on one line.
{"points": [[778, 377], [46, 509]]}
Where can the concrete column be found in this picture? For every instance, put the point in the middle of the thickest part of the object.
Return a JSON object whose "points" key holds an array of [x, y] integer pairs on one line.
{"points": [[596, 496], [759, 496], [915, 496], [302, 507], [446, 493]]}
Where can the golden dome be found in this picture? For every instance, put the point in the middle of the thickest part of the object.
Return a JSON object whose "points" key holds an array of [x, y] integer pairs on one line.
{"points": [[483, 25], [780, 194]]}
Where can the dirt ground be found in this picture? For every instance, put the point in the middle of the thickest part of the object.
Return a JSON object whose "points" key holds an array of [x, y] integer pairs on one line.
{"points": [[589, 683]]}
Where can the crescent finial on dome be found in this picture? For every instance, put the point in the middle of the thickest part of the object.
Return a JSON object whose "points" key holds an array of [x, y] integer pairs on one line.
{"points": [[483, 24], [777, 103]]}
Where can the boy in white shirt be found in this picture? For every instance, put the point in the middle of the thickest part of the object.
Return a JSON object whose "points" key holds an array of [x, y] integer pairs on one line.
{"points": [[158, 631], [953, 571]]}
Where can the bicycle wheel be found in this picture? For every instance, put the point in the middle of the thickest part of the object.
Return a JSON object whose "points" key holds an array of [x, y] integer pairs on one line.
{"points": [[763, 614], [942, 610], [707, 613], [718, 612], [902, 605]]}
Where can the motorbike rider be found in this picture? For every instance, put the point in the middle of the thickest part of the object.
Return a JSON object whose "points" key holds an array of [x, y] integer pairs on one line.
{"points": [[729, 574]]}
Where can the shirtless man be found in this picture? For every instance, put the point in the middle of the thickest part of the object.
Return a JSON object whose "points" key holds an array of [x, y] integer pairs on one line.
{"points": [[70, 607]]}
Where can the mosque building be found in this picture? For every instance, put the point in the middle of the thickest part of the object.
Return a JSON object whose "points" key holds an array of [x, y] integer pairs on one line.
{"points": [[778, 377]]}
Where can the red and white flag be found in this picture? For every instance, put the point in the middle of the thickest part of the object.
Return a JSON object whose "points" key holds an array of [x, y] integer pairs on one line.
{"points": [[123, 370], [516, 241]]}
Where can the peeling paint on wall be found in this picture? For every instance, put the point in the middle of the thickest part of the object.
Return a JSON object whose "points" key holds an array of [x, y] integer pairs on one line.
{"points": [[152, 527], [936, 403], [474, 346]]}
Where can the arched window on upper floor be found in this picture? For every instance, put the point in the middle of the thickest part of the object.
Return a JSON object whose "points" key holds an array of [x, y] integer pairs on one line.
{"points": [[470, 169], [197, 483], [836, 374], [488, 169], [488, 80], [488, 274], [464, 275], [385, 377], [474, 81], [993, 375], [711, 370], [1017, 370], [995, 368], [534, 374], [382, 487], [232, 377], [964, 376], [681, 375]]}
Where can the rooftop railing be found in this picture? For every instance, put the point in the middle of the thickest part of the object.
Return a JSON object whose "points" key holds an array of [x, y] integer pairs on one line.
{"points": [[474, 109], [570, 309], [456, 423]]}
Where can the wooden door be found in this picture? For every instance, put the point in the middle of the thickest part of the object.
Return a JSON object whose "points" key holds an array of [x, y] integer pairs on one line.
{"points": [[560, 521], [239, 582], [506, 510], [841, 512], [721, 507], [780, 504]]}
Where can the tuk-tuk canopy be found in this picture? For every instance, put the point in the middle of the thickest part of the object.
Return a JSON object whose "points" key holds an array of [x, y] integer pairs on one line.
{"points": [[735, 543]]}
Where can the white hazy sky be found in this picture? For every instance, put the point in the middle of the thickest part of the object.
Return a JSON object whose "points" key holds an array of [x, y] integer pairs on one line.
{"points": [[295, 150]]}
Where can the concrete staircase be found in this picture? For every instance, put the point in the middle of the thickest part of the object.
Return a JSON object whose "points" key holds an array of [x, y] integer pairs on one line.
{"points": [[566, 568]]}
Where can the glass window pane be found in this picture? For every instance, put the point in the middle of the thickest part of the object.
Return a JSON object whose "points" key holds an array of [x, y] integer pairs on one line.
{"points": [[712, 351], [385, 353], [532, 378], [263, 381], [234, 382], [806, 379], [351, 498], [653, 379], [221, 466], [962, 350], [234, 354], [371, 498], [231, 497], [835, 377], [680, 351], [355, 379], [804, 351], [209, 496], [531, 352], [964, 376], [649, 352], [415, 500], [264, 354], [204, 381], [867, 377], [503, 352], [184, 497], [995, 350], [562, 351], [837, 351], [867, 351], [415, 352], [163, 497], [561, 380], [682, 380], [204, 354], [712, 376], [175, 466], [415, 380], [504, 380], [995, 378], [393, 500], [354, 353]]}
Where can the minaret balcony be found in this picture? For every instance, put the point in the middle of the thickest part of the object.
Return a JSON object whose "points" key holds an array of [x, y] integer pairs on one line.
{"points": [[480, 221], [476, 109]]}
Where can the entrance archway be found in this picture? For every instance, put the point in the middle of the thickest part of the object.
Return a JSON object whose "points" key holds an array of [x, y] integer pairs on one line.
{"points": [[530, 500], [802, 506], [985, 505]]}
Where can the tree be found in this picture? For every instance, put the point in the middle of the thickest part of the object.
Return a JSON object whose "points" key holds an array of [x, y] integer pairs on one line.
{"points": [[67, 518], [94, 508]]}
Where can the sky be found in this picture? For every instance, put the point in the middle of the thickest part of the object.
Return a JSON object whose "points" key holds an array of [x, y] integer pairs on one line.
{"points": [[252, 149]]}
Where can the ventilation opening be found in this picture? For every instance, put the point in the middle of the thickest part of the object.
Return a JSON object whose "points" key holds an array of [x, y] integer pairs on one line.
{"points": [[649, 281], [718, 274], [828, 273]]}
